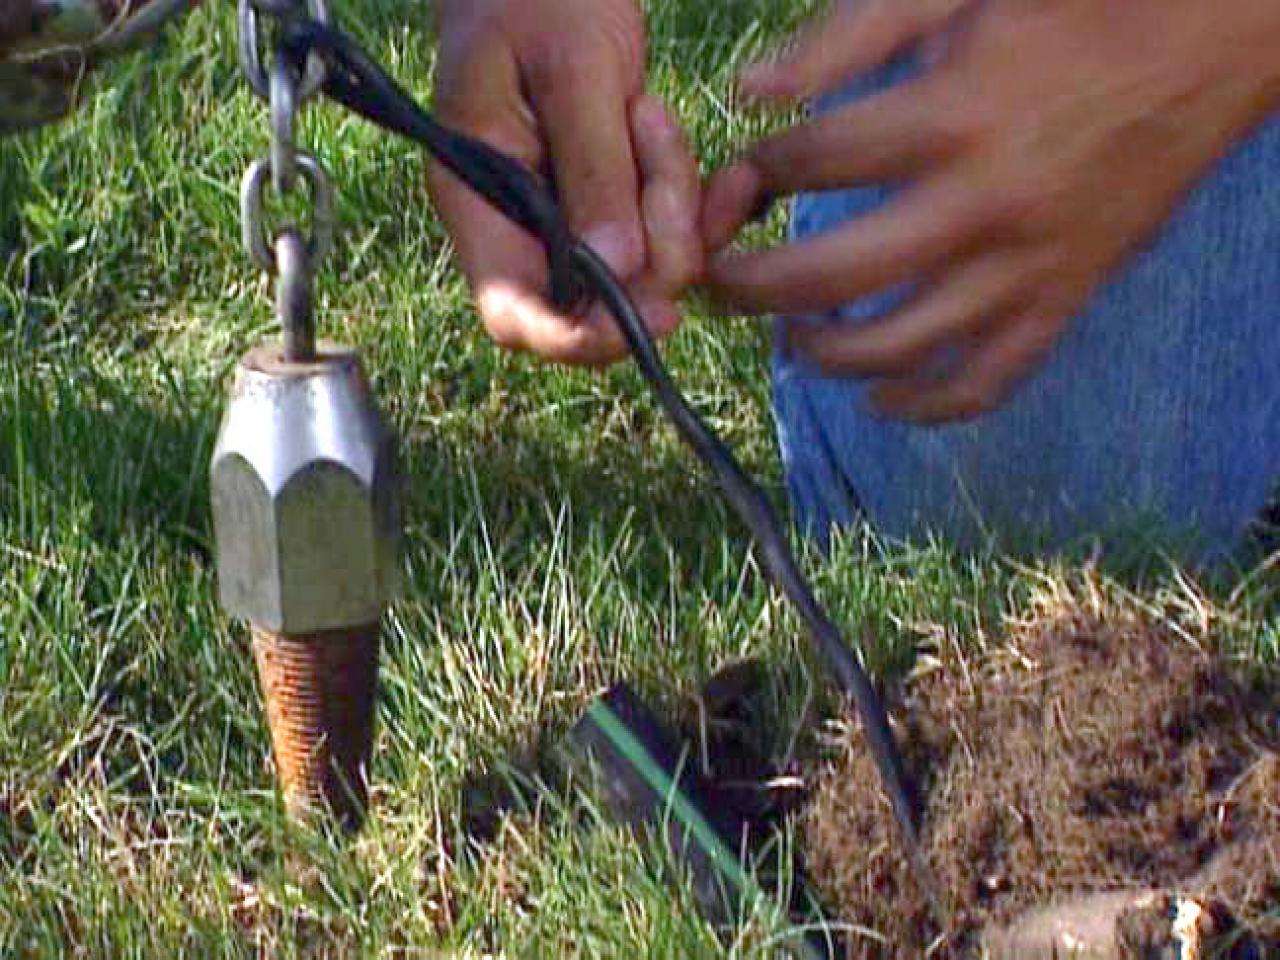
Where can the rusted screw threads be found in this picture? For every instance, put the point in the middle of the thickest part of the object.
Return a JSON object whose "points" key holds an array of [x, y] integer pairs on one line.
{"points": [[319, 690]]}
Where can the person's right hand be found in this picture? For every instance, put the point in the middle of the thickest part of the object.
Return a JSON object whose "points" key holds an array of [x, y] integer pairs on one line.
{"points": [[558, 85]]}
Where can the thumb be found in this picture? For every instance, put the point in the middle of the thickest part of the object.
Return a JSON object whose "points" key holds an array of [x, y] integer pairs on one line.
{"points": [[857, 36]]}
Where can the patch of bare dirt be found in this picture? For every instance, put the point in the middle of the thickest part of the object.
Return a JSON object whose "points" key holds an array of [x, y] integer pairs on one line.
{"points": [[1097, 751]]}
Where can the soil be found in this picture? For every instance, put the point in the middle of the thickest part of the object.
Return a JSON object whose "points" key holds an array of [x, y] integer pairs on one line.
{"points": [[1096, 750]]}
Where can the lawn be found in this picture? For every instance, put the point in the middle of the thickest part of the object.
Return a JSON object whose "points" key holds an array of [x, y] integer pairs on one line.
{"points": [[558, 537]]}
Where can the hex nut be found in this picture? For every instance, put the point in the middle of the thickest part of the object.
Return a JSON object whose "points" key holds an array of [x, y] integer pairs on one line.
{"points": [[305, 495]]}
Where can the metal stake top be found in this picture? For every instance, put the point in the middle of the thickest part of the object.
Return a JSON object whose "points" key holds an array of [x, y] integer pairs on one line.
{"points": [[293, 297]]}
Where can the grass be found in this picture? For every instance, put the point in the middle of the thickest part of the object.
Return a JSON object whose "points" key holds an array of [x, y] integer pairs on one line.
{"points": [[558, 537]]}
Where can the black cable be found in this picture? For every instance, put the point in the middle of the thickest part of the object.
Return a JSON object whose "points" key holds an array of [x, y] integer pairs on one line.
{"points": [[356, 82], [756, 512]]}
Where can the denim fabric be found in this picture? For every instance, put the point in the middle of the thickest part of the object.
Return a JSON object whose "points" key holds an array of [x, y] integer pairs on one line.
{"points": [[1161, 403]]}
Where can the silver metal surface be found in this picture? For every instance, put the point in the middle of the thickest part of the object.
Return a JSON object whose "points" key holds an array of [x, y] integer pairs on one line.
{"points": [[284, 113], [305, 498], [293, 297]]}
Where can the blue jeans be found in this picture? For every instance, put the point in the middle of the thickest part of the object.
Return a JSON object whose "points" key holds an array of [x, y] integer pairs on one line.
{"points": [[1159, 409]]}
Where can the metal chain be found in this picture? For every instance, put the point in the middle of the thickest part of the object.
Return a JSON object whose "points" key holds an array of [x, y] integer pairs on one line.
{"points": [[249, 16], [286, 254]]}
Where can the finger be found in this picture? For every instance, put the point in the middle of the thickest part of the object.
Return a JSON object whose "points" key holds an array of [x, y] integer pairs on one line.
{"points": [[519, 320], [904, 240], [854, 38], [582, 106], [486, 243], [885, 138], [507, 272], [965, 300], [661, 314], [670, 196], [478, 94], [730, 198], [979, 384]]}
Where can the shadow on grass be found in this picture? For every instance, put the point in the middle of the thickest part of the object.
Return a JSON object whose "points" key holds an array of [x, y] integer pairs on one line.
{"points": [[110, 462]]}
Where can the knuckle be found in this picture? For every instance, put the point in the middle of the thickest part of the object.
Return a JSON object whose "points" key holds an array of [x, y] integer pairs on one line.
{"points": [[1015, 206], [618, 236], [1023, 206], [673, 272], [905, 19], [964, 122], [963, 127], [464, 57], [887, 349], [895, 360], [836, 356], [917, 18], [550, 64], [884, 16], [1037, 268], [608, 50]]}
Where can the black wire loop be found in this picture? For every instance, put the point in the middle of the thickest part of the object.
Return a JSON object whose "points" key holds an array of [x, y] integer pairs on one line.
{"points": [[355, 81]]}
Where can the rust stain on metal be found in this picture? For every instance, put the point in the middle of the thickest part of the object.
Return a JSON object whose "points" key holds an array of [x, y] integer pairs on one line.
{"points": [[319, 690]]}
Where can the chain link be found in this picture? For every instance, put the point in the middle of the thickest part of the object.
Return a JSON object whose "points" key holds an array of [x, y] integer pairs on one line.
{"points": [[284, 114], [286, 253], [254, 234], [249, 17]]}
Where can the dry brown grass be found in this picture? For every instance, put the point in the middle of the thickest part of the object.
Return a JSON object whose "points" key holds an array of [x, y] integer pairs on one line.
{"points": [[1100, 744]]}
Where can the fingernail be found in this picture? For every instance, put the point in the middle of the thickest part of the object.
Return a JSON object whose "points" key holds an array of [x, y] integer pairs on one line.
{"points": [[612, 243]]}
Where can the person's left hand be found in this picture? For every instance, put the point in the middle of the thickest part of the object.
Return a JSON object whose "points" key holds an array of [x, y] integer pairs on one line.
{"points": [[1042, 144]]}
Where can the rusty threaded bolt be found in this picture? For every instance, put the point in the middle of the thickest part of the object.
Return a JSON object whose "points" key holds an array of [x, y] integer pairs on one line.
{"points": [[319, 691]]}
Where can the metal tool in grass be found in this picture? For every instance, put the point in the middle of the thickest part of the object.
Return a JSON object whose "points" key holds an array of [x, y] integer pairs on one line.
{"points": [[304, 487], [48, 48], [352, 79]]}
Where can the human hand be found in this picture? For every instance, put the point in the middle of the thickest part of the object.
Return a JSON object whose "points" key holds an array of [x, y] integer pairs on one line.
{"points": [[1042, 144], [557, 84]]}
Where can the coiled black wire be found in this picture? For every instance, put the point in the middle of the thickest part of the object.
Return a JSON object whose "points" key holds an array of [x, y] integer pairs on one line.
{"points": [[359, 84]]}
